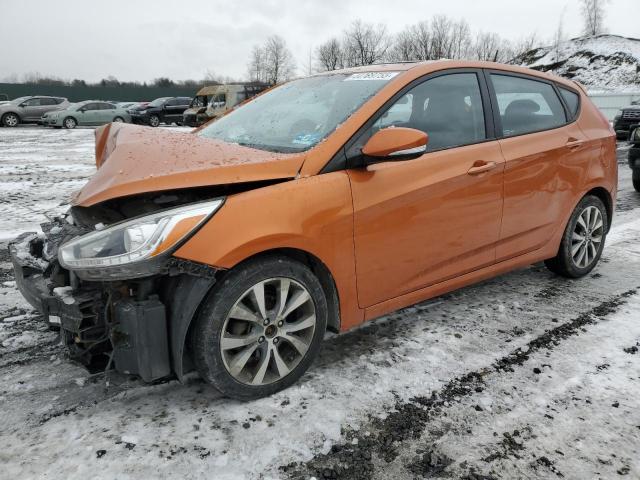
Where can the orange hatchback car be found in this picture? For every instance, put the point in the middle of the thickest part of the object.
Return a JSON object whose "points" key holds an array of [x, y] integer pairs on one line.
{"points": [[318, 205]]}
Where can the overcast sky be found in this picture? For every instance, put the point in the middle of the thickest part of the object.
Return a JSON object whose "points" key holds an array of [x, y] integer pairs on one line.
{"points": [[180, 39]]}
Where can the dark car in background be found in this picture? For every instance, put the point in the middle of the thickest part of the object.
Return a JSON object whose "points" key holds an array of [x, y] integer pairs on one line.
{"points": [[162, 110], [627, 117], [29, 109], [634, 155]]}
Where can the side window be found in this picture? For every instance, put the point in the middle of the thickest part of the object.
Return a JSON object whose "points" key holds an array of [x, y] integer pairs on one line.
{"points": [[171, 103], [48, 101], [572, 100], [526, 105], [219, 100], [32, 102], [448, 108], [90, 107], [106, 106]]}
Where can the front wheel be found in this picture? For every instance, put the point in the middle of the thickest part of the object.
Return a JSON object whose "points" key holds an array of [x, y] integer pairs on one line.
{"points": [[154, 120], [69, 123], [636, 179], [260, 328], [583, 239], [10, 120]]}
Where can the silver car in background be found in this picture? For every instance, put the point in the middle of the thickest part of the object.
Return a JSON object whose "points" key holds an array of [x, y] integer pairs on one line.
{"points": [[29, 109]]}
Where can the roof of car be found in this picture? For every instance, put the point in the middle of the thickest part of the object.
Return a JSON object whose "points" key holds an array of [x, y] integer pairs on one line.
{"points": [[434, 65]]}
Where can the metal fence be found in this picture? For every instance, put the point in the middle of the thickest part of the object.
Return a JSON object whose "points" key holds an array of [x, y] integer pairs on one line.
{"points": [[610, 103]]}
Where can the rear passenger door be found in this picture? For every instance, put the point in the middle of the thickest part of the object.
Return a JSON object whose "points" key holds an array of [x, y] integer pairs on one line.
{"points": [[544, 154], [106, 113]]}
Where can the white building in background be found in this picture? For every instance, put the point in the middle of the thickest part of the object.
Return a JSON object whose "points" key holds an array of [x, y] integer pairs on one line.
{"points": [[610, 103]]}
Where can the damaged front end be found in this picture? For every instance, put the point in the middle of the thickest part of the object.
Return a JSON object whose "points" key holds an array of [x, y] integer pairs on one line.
{"points": [[116, 293]]}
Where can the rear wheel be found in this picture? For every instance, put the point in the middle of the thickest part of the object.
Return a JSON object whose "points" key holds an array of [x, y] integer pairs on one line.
{"points": [[259, 329], [69, 123], [154, 120], [10, 120], [583, 239], [636, 180], [118, 120]]}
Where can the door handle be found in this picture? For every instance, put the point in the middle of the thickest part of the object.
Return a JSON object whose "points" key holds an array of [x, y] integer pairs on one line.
{"points": [[574, 143], [481, 167]]}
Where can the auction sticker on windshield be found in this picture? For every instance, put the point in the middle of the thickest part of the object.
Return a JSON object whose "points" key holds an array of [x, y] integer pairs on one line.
{"points": [[371, 76]]}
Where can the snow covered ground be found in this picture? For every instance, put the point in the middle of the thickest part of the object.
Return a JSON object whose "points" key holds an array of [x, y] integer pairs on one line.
{"points": [[524, 376]]}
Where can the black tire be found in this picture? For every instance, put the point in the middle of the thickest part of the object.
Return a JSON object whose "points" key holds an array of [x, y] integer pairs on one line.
{"points": [[70, 123], [635, 177], [118, 119], [10, 119], [563, 263], [154, 120], [208, 326]]}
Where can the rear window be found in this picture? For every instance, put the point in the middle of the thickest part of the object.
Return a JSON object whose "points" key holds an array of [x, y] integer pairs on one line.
{"points": [[526, 105], [572, 100]]}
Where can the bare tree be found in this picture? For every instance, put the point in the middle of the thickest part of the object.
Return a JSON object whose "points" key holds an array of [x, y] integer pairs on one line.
{"points": [[330, 55], [421, 36], [257, 65], [279, 64], [558, 38], [487, 47], [403, 48], [365, 44], [593, 13]]}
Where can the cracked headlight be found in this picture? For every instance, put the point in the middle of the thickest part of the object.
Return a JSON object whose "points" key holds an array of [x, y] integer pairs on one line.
{"points": [[117, 251]]}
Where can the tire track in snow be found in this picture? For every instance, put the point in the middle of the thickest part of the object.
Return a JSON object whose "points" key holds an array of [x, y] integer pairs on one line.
{"points": [[361, 456]]}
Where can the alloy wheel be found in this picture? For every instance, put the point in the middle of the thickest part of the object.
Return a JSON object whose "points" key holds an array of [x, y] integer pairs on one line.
{"points": [[154, 121], [587, 236], [268, 331], [11, 120], [69, 123]]}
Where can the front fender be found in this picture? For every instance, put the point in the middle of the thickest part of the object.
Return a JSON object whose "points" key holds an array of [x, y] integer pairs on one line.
{"points": [[312, 214]]}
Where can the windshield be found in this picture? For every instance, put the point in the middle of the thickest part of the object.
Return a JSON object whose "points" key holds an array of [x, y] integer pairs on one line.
{"points": [[158, 102], [297, 115]]}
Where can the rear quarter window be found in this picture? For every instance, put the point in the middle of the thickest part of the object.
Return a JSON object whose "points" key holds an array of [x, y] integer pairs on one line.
{"points": [[572, 100], [527, 105]]}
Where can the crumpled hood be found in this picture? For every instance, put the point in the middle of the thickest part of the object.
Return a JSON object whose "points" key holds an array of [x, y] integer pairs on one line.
{"points": [[133, 159]]}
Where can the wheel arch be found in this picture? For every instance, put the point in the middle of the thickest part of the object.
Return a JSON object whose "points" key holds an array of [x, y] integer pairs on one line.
{"points": [[320, 270], [604, 195], [191, 292], [4, 114]]}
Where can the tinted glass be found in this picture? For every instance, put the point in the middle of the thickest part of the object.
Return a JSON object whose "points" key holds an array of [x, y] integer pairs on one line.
{"points": [[34, 102], [448, 108], [158, 102], [106, 106], [90, 106], [295, 116], [527, 105], [48, 101], [572, 100]]}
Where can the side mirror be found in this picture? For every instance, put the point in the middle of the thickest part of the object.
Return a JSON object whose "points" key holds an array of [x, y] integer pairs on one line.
{"points": [[396, 143]]}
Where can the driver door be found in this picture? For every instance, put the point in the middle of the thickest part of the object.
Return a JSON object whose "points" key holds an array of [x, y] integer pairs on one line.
{"points": [[423, 221]]}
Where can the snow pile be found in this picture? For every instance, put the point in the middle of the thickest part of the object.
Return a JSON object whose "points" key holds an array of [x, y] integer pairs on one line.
{"points": [[609, 62]]}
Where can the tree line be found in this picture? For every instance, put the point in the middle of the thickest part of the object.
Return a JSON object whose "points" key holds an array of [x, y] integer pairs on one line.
{"points": [[365, 43], [440, 37]]}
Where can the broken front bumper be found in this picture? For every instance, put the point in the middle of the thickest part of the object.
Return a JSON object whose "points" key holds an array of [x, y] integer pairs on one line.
{"points": [[140, 324]]}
